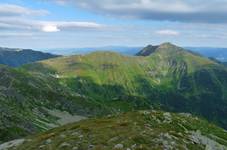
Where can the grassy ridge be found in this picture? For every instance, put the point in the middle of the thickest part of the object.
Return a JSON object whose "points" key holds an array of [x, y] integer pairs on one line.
{"points": [[169, 78], [142, 130], [102, 83]]}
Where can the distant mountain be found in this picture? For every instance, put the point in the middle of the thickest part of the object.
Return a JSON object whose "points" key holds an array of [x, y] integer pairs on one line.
{"points": [[169, 78], [18, 57], [143, 130], [217, 53], [72, 51]]}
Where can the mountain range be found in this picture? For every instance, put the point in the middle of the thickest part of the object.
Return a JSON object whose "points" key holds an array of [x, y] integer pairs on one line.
{"points": [[125, 50], [46, 94], [219, 54]]}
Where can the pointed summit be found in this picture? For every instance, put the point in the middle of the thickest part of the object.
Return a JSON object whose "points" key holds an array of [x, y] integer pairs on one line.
{"points": [[148, 50]]}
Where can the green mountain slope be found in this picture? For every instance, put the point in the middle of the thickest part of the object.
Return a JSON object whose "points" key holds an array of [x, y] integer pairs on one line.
{"points": [[170, 78], [31, 103], [17, 57], [142, 130]]}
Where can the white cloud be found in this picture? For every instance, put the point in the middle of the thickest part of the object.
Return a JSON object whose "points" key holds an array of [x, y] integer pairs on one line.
{"points": [[50, 28], [64, 25], [168, 32], [13, 23]]}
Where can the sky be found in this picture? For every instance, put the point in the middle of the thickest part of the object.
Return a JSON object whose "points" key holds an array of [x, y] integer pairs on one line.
{"points": [[45, 24]]}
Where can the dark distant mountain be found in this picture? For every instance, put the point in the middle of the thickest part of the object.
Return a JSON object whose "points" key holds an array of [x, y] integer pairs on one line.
{"points": [[147, 50], [18, 57], [225, 63], [218, 53]]}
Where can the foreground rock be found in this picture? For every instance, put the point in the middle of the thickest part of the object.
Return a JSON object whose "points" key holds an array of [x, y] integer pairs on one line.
{"points": [[144, 130]]}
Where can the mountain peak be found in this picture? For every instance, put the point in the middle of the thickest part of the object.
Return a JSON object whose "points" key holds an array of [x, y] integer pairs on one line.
{"points": [[148, 50], [167, 45]]}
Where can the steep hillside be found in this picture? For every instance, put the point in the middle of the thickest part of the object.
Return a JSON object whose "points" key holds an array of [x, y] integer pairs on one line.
{"points": [[142, 130], [30, 103], [18, 57], [148, 50], [170, 78]]}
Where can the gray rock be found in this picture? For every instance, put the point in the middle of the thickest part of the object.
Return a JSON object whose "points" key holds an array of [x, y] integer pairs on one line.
{"points": [[75, 134], [119, 146], [91, 147], [210, 144], [48, 141], [42, 146], [62, 136], [81, 136], [167, 117], [75, 148], [133, 146], [113, 139], [63, 145]]}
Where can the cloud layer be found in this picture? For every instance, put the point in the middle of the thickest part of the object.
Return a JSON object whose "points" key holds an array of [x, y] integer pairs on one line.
{"points": [[14, 17], [199, 11], [184, 22]]}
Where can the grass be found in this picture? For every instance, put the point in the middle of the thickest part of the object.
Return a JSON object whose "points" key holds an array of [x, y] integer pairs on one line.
{"points": [[170, 78], [141, 130], [103, 83]]}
